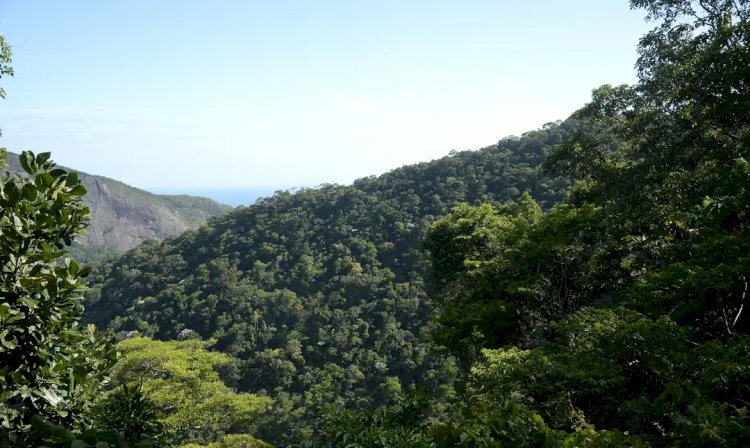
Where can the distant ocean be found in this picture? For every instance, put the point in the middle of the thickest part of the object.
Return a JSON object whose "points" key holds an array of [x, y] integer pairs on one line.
{"points": [[230, 196]]}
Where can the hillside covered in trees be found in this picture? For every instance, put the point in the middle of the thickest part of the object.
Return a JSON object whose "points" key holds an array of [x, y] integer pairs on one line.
{"points": [[616, 318], [319, 295], [582, 285]]}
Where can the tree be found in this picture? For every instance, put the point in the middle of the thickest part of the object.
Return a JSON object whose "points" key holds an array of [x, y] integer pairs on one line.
{"points": [[130, 415], [667, 159], [50, 366], [233, 441], [639, 279], [5, 59], [180, 379], [5, 70], [498, 275]]}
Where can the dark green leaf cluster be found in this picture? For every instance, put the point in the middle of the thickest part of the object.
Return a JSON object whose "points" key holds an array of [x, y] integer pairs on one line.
{"points": [[131, 415], [50, 366], [394, 426]]}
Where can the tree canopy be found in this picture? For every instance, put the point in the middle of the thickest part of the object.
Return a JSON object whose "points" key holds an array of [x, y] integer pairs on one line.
{"points": [[319, 295], [615, 318], [180, 378]]}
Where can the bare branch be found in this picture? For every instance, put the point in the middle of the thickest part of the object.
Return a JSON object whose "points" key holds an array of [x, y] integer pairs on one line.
{"points": [[742, 303]]}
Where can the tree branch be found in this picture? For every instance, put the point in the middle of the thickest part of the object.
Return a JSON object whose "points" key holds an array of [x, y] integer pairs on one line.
{"points": [[742, 304]]}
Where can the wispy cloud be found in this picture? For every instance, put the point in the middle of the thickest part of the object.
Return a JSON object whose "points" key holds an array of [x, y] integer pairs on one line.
{"points": [[47, 111], [87, 122]]}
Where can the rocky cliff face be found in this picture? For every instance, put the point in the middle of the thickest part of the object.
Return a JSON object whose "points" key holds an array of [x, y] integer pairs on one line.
{"points": [[123, 217]]}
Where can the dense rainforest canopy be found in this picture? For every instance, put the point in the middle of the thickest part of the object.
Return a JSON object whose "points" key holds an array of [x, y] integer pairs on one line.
{"points": [[616, 317], [582, 285], [320, 295]]}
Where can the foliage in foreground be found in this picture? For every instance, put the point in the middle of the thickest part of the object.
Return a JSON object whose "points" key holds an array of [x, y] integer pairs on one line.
{"points": [[50, 366], [53, 370]]}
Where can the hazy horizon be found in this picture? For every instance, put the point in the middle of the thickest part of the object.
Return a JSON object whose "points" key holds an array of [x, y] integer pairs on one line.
{"points": [[229, 196]]}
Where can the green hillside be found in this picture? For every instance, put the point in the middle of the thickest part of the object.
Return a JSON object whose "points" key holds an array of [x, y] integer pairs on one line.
{"points": [[583, 285], [320, 294]]}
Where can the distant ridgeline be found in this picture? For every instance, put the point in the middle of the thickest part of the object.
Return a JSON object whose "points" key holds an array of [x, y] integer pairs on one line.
{"points": [[123, 217], [319, 295]]}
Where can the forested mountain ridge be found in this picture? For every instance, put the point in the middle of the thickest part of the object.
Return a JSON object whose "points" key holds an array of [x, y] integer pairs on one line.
{"points": [[320, 294], [391, 314], [123, 217]]}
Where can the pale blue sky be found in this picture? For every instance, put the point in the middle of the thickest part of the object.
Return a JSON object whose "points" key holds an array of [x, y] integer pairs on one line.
{"points": [[212, 94]]}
